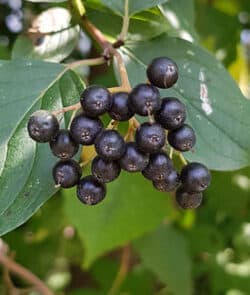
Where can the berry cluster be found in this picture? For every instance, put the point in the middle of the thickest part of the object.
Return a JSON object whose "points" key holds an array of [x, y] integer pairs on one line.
{"points": [[144, 154]]}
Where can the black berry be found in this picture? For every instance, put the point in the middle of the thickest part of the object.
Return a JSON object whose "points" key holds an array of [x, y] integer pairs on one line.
{"points": [[63, 146], [84, 130], [150, 137], [133, 160], [110, 145], [42, 126], [120, 109], [182, 139], [104, 170], [66, 173], [188, 200], [195, 177], [159, 167], [90, 191], [172, 113], [169, 183], [162, 72], [95, 101], [145, 99]]}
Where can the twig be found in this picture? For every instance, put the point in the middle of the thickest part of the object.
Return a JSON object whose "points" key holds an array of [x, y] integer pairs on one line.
{"points": [[183, 160], [95, 33], [112, 125], [122, 70], [22, 272], [116, 89], [135, 122], [122, 272], [86, 62], [108, 48], [125, 24], [73, 107], [130, 133], [171, 152]]}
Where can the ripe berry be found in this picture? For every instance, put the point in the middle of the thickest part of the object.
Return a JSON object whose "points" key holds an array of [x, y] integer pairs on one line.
{"points": [[90, 191], [172, 113], [42, 126], [188, 200], [182, 139], [144, 99], [84, 130], [120, 109], [133, 160], [150, 137], [169, 183], [66, 173], [162, 72], [159, 167], [63, 146], [104, 170], [95, 101], [110, 145], [195, 177]]}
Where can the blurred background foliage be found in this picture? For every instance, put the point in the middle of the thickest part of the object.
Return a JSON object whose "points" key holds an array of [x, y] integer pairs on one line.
{"points": [[206, 251]]}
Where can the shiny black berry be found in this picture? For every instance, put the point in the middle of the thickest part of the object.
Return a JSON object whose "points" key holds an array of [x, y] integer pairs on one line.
{"points": [[162, 72], [63, 146], [150, 137], [188, 200], [159, 167], [110, 145], [95, 101], [133, 160], [172, 113], [42, 126], [90, 191], [195, 177], [169, 183], [66, 173], [144, 99], [182, 139], [120, 109], [84, 130], [104, 170]]}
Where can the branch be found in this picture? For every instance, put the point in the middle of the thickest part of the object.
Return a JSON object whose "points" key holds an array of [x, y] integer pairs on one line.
{"points": [[183, 160], [122, 70], [22, 272], [73, 107], [86, 62], [122, 272], [95, 33]]}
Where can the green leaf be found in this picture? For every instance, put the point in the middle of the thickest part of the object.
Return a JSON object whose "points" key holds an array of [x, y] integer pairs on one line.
{"points": [[165, 253], [216, 37], [131, 208], [50, 1], [180, 15], [134, 5], [25, 168], [143, 25], [216, 109], [54, 39]]}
